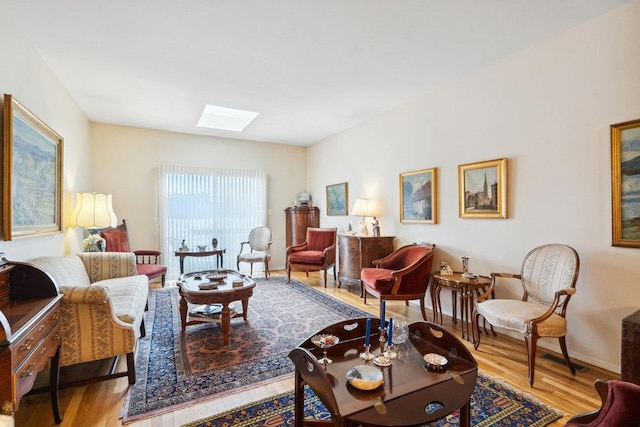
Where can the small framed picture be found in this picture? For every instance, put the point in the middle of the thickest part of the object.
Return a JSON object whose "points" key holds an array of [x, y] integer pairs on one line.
{"points": [[418, 197], [482, 189], [625, 183], [337, 199]]}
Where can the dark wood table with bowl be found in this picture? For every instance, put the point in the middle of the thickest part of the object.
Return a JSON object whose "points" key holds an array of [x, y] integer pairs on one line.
{"points": [[206, 297]]}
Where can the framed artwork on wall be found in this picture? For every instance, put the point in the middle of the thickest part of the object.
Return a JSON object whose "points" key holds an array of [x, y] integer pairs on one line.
{"points": [[482, 189], [625, 183], [337, 199], [32, 174], [418, 196]]}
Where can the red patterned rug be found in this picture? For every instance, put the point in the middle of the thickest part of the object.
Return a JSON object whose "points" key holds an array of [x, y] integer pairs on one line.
{"points": [[174, 370]]}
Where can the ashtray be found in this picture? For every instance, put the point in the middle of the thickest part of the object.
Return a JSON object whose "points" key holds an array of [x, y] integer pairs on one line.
{"points": [[207, 286], [435, 362], [472, 276], [237, 283], [365, 377]]}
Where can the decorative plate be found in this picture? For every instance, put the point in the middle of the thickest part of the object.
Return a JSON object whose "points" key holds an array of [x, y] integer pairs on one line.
{"points": [[325, 340], [365, 377]]}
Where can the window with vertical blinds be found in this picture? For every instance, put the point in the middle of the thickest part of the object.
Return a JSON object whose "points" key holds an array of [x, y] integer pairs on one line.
{"points": [[199, 204]]}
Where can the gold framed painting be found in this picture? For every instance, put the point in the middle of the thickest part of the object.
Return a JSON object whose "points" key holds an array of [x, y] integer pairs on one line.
{"points": [[482, 189], [625, 183], [31, 172], [418, 196], [337, 199]]}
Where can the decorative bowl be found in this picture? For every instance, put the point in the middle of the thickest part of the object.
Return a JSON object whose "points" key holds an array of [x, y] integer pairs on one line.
{"points": [[435, 362], [325, 340], [365, 377]]}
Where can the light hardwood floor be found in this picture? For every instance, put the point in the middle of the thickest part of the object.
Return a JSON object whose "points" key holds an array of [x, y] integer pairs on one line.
{"points": [[100, 404]]}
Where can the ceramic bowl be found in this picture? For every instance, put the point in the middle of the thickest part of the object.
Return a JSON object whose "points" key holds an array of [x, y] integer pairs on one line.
{"points": [[365, 377]]}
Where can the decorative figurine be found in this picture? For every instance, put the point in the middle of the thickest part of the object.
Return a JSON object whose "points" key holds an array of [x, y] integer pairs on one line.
{"points": [[184, 246], [375, 227]]}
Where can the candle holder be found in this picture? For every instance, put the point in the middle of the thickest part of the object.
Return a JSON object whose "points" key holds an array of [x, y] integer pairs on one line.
{"points": [[390, 353], [366, 354], [381, 359]]}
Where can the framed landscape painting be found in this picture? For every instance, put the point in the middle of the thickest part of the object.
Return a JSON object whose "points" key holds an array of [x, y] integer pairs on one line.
{"points": [[418, 197], [32, 174], [482, 189], [337, 200], [625, 183]]}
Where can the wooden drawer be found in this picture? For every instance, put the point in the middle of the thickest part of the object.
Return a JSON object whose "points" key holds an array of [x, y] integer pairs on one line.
{"points": [[25, 345], [25, 375]]}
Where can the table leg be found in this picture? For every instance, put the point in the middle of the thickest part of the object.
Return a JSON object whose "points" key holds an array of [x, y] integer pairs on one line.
{"points": [[54, 381], [465, 414], [183, 313], [463, 311], [226, 323], [454, 305], [181, 264], [245, 308], [298, 402]]}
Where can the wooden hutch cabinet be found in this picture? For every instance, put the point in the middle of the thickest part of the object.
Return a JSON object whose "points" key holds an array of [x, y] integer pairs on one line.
{"points": [[357, 252], [29, 332], [297, 220]]}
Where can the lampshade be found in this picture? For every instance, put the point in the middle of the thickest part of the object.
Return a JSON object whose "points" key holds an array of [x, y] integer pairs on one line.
{"points": [[93, 211], [361, 208]]}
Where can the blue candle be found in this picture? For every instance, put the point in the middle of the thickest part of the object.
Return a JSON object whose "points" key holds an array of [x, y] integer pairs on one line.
{"points": [[390, 333], [368, 333], [382, 313]]}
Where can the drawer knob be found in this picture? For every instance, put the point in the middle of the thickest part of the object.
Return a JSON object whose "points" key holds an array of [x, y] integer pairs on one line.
{"points": [[43, 351], [29, 371], [27, 344], [41, 328]]}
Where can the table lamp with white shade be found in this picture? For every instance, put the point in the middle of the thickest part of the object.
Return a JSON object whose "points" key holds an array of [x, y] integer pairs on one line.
{"points": [[361, 209], [93, 212]]}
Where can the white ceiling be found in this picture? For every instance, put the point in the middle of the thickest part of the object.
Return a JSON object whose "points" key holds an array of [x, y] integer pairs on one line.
{"points": [[310, 68]]}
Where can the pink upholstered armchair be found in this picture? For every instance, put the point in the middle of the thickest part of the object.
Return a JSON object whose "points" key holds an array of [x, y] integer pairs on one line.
{"points": [[619, 406], [402, 275], [147, 261], [317, 253]]}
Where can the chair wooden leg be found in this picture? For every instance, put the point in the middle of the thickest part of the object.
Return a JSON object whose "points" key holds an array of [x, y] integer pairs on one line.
{"points": [[532, 341], [325, 278], [474, 325], [266, 269], [131, 368], [424, 313], [563, 347], [251, 269], [162, 280], [143, 330], [289, 275]]}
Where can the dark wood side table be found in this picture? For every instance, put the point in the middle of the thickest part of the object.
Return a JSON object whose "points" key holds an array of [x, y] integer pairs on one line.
{"points": [[297, 220], [29, 333], [630, 354], [357, 252], [218, 253], [410, 395], [457, 283]]}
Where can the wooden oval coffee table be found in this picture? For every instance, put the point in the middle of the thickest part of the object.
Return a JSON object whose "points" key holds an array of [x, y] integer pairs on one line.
{"points": [[198, 289]]}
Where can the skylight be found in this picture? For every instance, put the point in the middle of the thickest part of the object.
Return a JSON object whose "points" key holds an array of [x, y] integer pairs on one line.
{"points": [[215, 117]]}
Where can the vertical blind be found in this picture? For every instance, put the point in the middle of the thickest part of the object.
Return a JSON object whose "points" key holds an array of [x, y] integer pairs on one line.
{"points": [[199, 204]]}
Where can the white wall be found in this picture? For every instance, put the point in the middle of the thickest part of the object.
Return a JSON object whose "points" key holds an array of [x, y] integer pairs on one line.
{"points": [[547, 110], [125, 162], [24, 75]]}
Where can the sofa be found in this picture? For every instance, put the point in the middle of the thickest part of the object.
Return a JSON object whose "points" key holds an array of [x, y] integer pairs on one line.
{"points": [[103, 305]]}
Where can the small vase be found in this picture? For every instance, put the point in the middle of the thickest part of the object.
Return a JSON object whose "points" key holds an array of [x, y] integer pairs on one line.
{"points": [[214, 243]]}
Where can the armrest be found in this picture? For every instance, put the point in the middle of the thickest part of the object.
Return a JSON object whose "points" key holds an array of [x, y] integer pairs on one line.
{"points": [[297, 248], [489, 292], [84, 294]]}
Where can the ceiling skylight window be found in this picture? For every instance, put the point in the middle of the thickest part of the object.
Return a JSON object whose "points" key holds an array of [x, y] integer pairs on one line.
{"points": [[225, 118]]}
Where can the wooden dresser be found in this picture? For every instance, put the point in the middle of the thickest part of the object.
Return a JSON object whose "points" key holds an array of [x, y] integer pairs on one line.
{"points": [[356, 252], [297, 220], [29, 336]]}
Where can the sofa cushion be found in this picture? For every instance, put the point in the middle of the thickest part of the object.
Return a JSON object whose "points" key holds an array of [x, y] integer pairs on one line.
{"points": [[128, 296], [68, 270]]}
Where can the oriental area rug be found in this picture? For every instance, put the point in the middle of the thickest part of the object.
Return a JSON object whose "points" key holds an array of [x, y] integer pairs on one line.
{"points": [[493, 403], [176, 369]]}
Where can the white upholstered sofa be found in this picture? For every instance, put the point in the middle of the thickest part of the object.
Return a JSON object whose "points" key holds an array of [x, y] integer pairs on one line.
{"points": [[103, 304]]}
